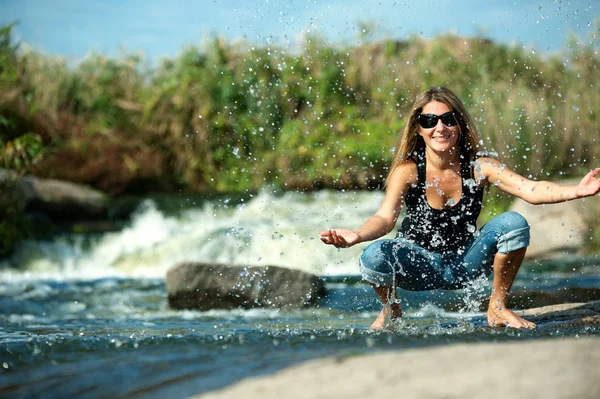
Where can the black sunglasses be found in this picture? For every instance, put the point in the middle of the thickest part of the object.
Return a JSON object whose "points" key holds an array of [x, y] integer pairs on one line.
{"points": [[427, 121]]}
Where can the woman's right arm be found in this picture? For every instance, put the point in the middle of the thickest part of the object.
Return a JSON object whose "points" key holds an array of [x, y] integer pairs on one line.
{"points": [[386, 217]]}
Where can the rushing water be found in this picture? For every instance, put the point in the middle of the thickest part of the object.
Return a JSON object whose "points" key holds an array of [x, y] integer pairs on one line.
{"points": [[86, 315]]}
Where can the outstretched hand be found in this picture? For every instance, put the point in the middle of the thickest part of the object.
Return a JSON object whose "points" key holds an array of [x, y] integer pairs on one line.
{"points": [[589, 185], [339, 238]]}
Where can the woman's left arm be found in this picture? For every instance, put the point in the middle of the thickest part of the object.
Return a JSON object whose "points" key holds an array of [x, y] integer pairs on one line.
{"points": [[534, 192]]}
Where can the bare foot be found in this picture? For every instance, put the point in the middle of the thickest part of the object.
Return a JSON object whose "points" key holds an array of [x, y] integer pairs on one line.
{"points": [[379, 322], [500, 316]]}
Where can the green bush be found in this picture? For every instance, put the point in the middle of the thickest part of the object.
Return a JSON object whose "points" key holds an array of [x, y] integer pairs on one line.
{"points": [[233, 116]]}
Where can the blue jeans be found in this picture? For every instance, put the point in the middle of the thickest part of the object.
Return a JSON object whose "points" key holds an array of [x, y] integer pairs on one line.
{"points": [[412, 267]]}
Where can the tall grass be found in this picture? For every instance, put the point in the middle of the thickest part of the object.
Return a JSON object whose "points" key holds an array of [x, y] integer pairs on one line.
{"points": [[233, 116]]}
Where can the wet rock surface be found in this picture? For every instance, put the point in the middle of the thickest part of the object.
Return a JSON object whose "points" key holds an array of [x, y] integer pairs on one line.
{"points": [[546, 368], [550, 368], [528, 299], [565, 314], [533, 299], [206, 286]]}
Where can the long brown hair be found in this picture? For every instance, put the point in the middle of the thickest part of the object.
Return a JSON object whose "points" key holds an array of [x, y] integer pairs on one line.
{"points": [[409, 142]]}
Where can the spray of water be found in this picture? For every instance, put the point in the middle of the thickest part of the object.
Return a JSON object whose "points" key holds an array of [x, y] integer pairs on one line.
{"points": [[268, 229]]}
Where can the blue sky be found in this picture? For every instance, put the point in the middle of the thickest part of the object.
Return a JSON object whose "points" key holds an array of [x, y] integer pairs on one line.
{"points": [[72, 28]]}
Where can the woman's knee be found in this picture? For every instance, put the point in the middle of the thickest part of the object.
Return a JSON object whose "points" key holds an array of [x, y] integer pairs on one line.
{"points": [[375, 256], [514, 221], [514, 232], [376, 263]]}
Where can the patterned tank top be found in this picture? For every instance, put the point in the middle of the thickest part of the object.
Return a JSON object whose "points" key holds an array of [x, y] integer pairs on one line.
{"points": [[442, 230]]}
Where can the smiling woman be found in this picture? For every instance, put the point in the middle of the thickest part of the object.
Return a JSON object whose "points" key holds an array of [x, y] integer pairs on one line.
{"points": [[439, 175], [439, 128]]}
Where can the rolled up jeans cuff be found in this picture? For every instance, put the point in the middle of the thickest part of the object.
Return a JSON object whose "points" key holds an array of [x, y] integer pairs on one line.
{"points": [[513, 240]]}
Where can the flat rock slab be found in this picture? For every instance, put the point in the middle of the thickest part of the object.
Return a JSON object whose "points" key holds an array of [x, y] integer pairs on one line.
{"points": [[549, 368], [528, 299], [567, 313], [205, 286]]}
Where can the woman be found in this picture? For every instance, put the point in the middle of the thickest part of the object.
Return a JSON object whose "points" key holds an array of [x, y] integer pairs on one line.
{"points": [[439, 174]]}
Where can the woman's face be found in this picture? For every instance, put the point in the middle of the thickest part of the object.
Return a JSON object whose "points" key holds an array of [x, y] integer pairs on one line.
{"points": [[440, 137]]}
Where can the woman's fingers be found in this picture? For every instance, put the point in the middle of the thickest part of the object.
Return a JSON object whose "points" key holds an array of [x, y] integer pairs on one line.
{"points": [[332, 237], [327, 236], [590, 185], [339, 241]]}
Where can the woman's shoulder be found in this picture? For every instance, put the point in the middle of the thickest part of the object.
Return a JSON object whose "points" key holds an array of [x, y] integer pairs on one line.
{"points": [[484, 155], [486, 158], [485, 165], [405, 171], [407, 165]]}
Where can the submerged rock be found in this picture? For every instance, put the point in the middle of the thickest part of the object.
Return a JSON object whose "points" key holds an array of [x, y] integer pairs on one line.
{"points": [[205, 286]]}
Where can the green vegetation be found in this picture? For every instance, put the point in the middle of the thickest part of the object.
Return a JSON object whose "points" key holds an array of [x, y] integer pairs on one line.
{"points": [[233, 117]]}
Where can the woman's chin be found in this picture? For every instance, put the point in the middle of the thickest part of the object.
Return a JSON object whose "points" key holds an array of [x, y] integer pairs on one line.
{"points": [[443, 147]]}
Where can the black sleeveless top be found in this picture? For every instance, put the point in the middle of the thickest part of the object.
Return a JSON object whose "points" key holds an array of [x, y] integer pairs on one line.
{"points": [[442, 230]]}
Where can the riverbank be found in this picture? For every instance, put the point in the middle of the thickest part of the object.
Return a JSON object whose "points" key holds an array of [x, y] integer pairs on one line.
{"points": [[550, 368]]}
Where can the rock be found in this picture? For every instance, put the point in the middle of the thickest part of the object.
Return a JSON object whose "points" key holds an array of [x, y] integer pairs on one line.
{"points": [[9, 195], [526, 299], [548, 368], [213, 286], [524, 368], [565, 313], [532, 299], [558, 229], [55, 198]]}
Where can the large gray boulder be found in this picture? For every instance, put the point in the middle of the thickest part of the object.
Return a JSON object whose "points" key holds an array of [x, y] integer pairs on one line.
{"points": [[206, 286], [55, 198]]}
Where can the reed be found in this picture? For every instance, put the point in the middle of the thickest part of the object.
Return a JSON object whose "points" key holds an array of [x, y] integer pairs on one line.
{"points": [[233, 116]]}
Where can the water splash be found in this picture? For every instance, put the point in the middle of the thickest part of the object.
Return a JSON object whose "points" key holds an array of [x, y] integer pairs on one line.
{"points": [[269, 229]]}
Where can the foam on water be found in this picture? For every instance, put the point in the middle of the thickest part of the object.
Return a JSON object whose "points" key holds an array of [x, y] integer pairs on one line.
{"points": [[269, 229]]}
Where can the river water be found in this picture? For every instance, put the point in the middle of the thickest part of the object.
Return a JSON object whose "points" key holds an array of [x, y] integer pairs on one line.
{"points": [[85, 315]]}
